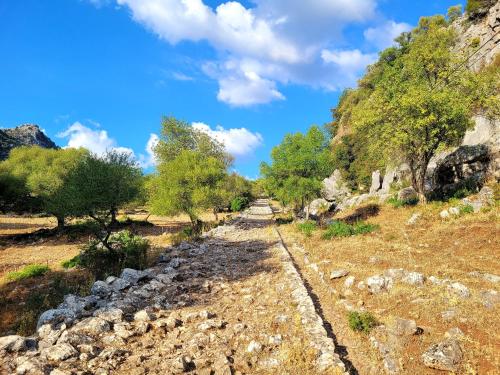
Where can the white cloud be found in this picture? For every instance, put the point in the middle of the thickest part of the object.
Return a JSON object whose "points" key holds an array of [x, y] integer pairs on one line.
{"points": [[181, 77], [238, 142], [383, 35], [273, 43], [99, 142], [149, 160], [350, 64]]}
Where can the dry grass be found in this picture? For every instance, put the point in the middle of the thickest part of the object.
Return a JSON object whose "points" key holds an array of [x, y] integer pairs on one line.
{"points": [[446, 249]]}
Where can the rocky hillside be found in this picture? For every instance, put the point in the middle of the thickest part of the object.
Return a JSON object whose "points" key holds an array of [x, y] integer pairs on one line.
{"points": [[23, 135]]}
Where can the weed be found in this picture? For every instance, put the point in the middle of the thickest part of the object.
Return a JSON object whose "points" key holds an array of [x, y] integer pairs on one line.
{"points": [[341, 229], [466, 209], [284, 220], [307, 227], [239, 203], [361, 322], [397, 203], [33, 270], [125, 251], [71, 263]]}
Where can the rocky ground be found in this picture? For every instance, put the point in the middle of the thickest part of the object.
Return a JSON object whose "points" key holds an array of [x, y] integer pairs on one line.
{"points": [[229, 304]]}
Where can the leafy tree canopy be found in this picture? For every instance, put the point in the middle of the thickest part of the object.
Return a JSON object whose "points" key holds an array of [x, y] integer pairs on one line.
{"points": [[298, 166]]}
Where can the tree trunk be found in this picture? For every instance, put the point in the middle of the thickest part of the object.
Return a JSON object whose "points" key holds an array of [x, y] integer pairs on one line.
{"points": [[307, 212], [113, 217], [215, 214], [60, 222]]}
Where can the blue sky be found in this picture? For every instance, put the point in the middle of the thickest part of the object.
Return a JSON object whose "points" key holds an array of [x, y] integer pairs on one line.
{"points": [[102, 73]]}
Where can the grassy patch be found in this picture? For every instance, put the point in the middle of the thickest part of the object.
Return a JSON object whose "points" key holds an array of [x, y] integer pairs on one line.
{"points": [[33, 270], [361, 322], [466, 209], [341, 229], [307, 227], [71, 263], [397, 203]]}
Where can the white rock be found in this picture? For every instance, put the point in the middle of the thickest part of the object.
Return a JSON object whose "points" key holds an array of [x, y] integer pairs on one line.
{"points": [[414, 218], [12, 343], [444, 214], [377, 283], [59, 352], [414, 278], [337, 274], [349, 281], [254, 347], [459, 289], [144, 316], [455, 211], [109, 314]]}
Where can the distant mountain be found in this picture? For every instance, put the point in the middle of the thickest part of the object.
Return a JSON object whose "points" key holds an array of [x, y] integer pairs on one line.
{"points": [[23, 135]]}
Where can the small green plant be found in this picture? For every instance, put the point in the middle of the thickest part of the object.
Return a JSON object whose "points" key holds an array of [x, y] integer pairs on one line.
{"points": [[475, 42], [307, 227], [33, 270], [284, 220], [341, 229], [466, 209], [124, 250], [361, 322], [239, 203], [71, 263], [397, 203]]}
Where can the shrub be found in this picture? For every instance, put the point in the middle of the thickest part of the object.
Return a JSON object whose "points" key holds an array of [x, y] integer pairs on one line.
{"points": [[474, 43], [478, 8], [307, 227], [125, 251], [71, 263], [466, 209], [284, 220], [239, 203], [454, 12], [40, 300], [361, 322], [33, 270], [397, 203], [342, 229]]}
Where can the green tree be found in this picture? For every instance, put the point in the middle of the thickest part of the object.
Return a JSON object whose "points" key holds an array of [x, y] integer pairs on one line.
{"points": [[420, 103], [100, 185], [42, 173], [298, 166], [190, 171], [454, 13]]}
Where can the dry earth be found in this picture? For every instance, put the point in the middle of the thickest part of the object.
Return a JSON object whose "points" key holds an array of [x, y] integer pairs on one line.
{"points": [[443, 276], [239, 302]]}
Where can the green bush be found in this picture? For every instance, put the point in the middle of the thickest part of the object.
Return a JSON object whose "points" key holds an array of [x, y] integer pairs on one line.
{"points": [[466, 209], [341, 229], [474, 43], [239, 203], [71, 263], [284, 220], [125, 251], [307, 227], [32, 270], [361, 322], [40, 300], [397, 203], [478, 8]]}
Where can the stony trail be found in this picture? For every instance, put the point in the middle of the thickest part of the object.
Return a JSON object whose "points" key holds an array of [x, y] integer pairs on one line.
{"points": [[232, 303]]}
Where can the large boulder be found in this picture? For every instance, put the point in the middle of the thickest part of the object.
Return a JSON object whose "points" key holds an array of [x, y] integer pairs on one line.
{"points": [[467, 166], [319, 206], [376, 182], [407, 194], [445, 356], [334, 188], [389, 179]]}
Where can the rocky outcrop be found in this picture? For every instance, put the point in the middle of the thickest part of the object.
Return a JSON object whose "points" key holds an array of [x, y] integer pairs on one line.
{"points": [[335, 188], [24, 135], [466, 167]]}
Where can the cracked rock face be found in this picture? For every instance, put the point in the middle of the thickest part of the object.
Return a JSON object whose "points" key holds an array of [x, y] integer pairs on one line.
{"points": [[445, 355]]}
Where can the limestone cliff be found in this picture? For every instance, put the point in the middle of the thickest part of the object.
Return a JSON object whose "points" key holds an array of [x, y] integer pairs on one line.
{"points": [[23, 135]]}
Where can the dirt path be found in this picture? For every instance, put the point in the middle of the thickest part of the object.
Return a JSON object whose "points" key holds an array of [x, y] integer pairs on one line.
{"points": [[229, 304]]}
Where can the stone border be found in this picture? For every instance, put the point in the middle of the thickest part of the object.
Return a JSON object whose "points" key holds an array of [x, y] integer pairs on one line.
{"points": [[311, 321]]}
